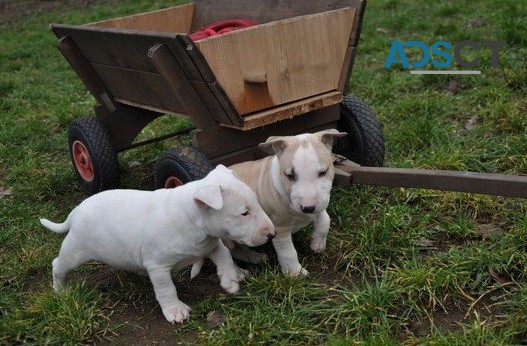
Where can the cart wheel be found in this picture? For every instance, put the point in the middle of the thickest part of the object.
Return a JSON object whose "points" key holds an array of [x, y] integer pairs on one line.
{"points": [[364, 143], [93, 155], [178, 166]]}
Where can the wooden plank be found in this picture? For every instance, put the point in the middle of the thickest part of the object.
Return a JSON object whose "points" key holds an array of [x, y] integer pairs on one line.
{"points": [[165, 63], [254, 152], [214, 96], [470, 182], [218, 141], [226, 104], [280, 62], [290, 110], [197, 58], [264, 11], [124, 48], [144, 88], [212, 104], [151, 108], [346, 69], [176, 19], [85, 72], [215, 88]]}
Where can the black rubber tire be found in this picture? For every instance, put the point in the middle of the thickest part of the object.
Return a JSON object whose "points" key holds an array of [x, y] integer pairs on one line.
{"points": [[93, 135], [364, 143], [185, 164]]}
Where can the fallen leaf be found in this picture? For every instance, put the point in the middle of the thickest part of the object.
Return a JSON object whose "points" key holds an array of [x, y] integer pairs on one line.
{"points": [[476, 23], [5, 191], [215, 319], [471, 123], [490, 230], [425, 243], [498, 278]]}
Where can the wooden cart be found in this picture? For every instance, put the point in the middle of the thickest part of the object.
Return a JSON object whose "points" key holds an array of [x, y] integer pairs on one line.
{"points": [[285, 76]]}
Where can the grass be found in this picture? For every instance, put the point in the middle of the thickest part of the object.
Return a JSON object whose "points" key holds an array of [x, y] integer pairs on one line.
{"points": [[403, 266]]}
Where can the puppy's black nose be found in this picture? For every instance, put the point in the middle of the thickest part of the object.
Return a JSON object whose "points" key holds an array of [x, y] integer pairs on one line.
{"points": [[271, 235], [308, 209]]}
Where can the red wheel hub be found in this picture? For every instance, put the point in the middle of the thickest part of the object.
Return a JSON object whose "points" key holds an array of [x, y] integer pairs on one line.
{"points": [[82, 161], [172, 182]]}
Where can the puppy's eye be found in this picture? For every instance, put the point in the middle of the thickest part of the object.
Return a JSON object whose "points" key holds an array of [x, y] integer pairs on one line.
{"points": [[245, 213], [290, 176], [322, 173]]}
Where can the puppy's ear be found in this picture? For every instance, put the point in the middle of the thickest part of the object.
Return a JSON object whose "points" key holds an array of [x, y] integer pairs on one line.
{"points": [[277, 143], [209, 196], [327, 137]]}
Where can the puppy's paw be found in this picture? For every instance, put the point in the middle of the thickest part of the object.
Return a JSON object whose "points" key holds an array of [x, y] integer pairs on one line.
{"points": [[318, 245], [178, 312], [296, 272], [231, 286]]}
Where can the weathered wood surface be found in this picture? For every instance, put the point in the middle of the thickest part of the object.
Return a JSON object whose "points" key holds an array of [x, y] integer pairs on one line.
{"points": [[85, 72], [120, 61], [469, 182], [280, 62], [163, 60], [291, 110], [220, 141], [176, 19]]}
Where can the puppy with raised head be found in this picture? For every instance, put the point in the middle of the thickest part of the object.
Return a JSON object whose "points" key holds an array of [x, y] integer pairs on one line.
{"points": [[293, 187], [155, 232]]}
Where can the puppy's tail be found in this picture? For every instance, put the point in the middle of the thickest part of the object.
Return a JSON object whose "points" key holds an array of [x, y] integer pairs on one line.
{"points": [[57, 227]]}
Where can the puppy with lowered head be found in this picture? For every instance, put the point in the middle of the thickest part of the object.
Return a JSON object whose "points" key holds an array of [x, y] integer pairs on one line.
{"points": [[155, 232], [293, 188]]}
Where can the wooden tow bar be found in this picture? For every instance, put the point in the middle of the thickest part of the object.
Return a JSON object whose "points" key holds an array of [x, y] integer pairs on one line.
{"points": [[348, 172]]}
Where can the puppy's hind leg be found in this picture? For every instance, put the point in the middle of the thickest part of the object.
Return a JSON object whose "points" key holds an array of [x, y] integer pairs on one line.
{"points": [[70, 257], [62, 266]]}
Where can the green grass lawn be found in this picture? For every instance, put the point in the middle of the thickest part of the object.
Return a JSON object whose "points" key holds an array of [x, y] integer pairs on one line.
{"points": [[403, 266]]}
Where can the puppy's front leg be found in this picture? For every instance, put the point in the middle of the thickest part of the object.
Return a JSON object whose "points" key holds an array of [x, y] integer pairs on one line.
{"points": [[320, 232], [230, 275], [174, 309], [287, 255]]}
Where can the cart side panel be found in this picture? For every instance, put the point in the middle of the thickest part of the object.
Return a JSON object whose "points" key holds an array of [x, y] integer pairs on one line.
{"points": [[138, 87], [264, 11], [120, 59], [280, 62], [176, 19]]}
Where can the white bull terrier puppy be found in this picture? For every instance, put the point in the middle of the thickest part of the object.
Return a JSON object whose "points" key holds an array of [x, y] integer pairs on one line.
{"points": [[293, 188], [155, 232]]}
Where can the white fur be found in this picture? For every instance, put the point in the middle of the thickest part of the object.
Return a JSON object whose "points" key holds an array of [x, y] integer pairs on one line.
{"points": [[164, 230]]}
